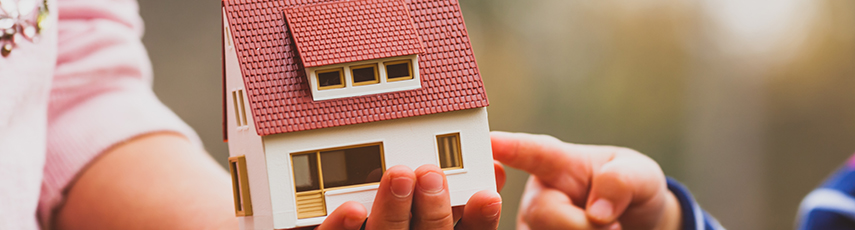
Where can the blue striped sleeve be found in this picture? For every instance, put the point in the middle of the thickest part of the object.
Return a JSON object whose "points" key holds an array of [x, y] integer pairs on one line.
{"points": [[694, 218], [832, 205]]}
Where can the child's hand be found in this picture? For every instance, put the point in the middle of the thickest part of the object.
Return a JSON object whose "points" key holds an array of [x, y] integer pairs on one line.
{"points": [[586, 187], [418, 200]]}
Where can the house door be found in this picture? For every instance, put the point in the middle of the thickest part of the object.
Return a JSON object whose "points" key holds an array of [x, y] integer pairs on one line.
{"points": [[319, 171]]}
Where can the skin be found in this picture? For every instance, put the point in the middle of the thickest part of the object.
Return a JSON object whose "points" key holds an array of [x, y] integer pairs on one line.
{"points": [[162, 181], [586, 187]]}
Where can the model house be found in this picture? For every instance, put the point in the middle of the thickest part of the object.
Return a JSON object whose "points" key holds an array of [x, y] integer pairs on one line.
{"points": [[321, 97]]}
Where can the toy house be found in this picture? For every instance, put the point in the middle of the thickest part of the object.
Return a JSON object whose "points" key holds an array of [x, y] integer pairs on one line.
{"points": [[322, 96]]}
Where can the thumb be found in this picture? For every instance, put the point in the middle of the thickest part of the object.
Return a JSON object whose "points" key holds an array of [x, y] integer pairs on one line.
{"points": [[609, 197]]}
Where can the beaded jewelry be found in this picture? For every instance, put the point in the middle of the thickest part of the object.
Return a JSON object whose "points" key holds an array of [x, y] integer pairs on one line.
{"points": [[25, 17]]}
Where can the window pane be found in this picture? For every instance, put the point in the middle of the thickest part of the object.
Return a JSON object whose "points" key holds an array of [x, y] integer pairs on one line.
{"points": [[236, 186], [332, 78], [352, 166], [449, 151], [237, 108], [306, 172], [398, 71], [365, 74]]}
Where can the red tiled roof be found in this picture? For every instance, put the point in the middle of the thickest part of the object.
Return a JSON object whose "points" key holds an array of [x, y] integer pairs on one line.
{"points": [[279, 94], [351, 31]]}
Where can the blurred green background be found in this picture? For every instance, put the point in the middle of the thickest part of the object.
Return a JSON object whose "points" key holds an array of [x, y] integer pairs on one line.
{"points": [[751, 103]]}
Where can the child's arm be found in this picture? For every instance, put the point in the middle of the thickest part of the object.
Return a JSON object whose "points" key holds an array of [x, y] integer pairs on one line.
{"points": [[590, 187], [156, 181]]}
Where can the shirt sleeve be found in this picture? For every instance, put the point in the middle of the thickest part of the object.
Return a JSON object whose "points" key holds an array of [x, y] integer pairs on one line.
{"points": [[101, 93], [693, 217], [832, 205]]}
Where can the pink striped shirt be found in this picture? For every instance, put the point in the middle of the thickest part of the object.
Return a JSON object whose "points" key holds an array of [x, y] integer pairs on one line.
{"points": [[85, 86]]}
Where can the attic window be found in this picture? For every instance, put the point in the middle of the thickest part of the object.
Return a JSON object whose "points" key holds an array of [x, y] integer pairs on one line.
{"points": [[240, 111], [399, 70], [365, 74], [330, 78], [353, 79]]}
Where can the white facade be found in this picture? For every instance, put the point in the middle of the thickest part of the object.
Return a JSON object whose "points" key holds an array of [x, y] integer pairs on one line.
{"points": [[406, 141], [244, 140]]}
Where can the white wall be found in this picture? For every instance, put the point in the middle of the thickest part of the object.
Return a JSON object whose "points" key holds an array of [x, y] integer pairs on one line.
{"points": [[407, 141], [245, 141]]}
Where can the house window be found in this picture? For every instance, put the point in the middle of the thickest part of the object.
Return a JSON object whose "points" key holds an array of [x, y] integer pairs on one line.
{"points": [[399, 70], [330, 78], [240, 111], [240, 186], [366, 77], [319, 171], [364, 74], [448, 147]]}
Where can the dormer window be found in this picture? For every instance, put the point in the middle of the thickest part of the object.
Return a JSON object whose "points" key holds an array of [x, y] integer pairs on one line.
{"points": [[361, 78], [365, 74], [399, 70], [330, 78]]}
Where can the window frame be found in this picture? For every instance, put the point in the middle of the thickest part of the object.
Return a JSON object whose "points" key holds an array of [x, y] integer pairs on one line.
{"points": [[340, 71], [459, 156], [409, 62], [240, 108], [321, 169], [240, 186], [376, 74]]}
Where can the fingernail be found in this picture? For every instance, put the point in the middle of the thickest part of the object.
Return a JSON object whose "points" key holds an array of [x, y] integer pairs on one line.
{"points": [[402, 187], [431, 182], [601, 209], [615, 226], [353, 222], [492, 210]]}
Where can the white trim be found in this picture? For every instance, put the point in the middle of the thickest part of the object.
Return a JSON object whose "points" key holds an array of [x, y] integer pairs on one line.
{"points": [[827, 199], [354, 189], [455, 171], [349, 90]]}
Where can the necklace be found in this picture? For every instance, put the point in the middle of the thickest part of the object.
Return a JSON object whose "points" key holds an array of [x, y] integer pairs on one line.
{"points": [[24, 17]]}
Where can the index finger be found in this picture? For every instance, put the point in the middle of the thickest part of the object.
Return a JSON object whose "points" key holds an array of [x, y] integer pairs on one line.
{"points": [[557, 164]]}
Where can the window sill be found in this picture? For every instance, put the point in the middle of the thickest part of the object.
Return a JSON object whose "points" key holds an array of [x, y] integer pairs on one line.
{"points": [[333, 191], [455, 171]]}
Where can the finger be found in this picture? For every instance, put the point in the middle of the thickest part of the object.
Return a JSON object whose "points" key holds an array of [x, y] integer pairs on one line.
{"points": [[457, 212], [560, 165], [431, 201], [547, 208], [482, 211], [391, 209], [500, 175], [609, 197], [348, 216], [629, 187]]}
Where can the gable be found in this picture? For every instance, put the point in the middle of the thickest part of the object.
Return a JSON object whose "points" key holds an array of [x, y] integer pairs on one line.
{"points": [[278, 90]]}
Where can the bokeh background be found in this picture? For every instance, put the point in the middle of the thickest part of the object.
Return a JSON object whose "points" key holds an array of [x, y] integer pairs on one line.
{"points": [[751, 103]]}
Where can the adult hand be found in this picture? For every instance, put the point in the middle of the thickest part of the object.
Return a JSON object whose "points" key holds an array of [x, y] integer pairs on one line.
{"points": [[586, 187], [419, 199]]}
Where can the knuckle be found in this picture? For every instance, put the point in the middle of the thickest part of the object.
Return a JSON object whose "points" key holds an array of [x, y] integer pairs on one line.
{"points": [[443, 221], [395, 222]]}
